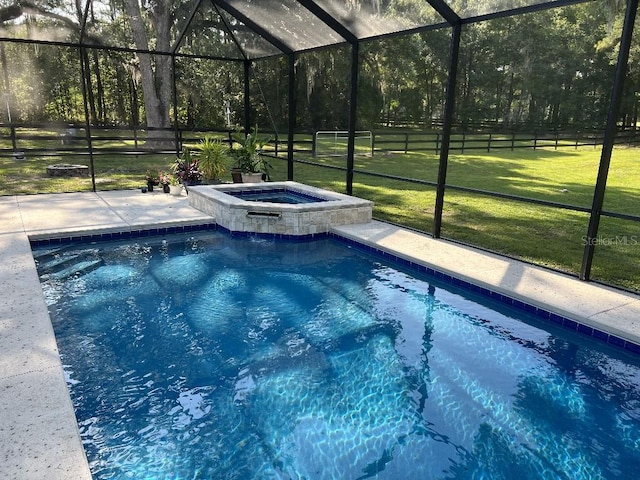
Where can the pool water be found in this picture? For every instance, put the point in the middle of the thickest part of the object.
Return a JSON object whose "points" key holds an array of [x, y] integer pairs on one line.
{"points": [[211, 357], [275, 196]]}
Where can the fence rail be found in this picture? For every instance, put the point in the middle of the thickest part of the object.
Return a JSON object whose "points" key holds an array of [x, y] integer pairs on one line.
{"points": [[63, 139], [465, 142]]}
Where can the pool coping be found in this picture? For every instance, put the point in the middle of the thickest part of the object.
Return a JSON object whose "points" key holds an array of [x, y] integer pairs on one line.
{"points": [[38, 430]]}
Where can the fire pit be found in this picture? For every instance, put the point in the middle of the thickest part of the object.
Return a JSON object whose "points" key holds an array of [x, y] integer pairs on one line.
{"points": [[67, 170]]}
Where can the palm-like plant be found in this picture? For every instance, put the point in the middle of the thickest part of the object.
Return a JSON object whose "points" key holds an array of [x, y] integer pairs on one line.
{"points": [[212, 158], [248, 155]]}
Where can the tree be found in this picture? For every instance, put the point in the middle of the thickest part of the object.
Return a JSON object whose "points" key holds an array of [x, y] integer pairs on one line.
{"points": [[153, 23], [155, 70]]}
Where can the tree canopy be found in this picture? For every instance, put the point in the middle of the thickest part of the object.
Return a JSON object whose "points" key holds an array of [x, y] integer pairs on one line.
{"points": [[548, 69]]}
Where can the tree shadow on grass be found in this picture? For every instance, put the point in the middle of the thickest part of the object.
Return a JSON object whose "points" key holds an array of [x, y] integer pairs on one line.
{"points": [[528, 231], [542, 235]]}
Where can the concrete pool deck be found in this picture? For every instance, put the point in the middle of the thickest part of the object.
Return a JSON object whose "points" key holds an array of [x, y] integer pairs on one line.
{"points": [[39, 437]]}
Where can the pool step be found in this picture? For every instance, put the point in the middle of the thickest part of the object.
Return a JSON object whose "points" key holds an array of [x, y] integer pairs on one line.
{"points": [[63, 262], [57, 263], [80, 268], [43, 256]]}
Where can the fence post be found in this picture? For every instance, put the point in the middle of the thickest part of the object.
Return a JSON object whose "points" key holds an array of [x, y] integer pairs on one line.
{"points": [[462, 147], [577, 138], [535, 140], [556, 148], [87, 118], [314, 152], [437, 143], [373, 143], [513, 141], [16, 154], [489, 144], [406, 142]]}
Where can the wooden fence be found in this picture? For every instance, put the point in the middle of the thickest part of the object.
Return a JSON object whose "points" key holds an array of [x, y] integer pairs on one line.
{"points": [[62, 140], [468, 142]]}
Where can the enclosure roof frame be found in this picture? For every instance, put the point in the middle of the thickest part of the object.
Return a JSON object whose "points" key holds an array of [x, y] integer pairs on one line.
{"points": [[441, 7], [449, 17], [445, 11], [254, 26]]}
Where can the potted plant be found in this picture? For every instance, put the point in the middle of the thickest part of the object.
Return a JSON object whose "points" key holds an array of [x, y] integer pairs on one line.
{"points": [[186, 169], [212, 158], [152, 180], [175, 187], [247, 152], [165, 180]]}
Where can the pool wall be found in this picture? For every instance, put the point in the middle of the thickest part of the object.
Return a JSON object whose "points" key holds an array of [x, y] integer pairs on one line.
{"points": [[304, 219]]}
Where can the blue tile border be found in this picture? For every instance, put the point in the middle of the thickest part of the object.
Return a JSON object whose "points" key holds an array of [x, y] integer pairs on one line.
{"points": [[274, 236], [538, 312], [149, 232], [248, 193], [121, 235]]}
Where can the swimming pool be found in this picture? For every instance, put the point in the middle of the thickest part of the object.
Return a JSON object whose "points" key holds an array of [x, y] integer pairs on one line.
{"points": [[205, 356]]}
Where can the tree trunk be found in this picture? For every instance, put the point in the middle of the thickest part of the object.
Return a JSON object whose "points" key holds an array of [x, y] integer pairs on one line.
{"points": [[90, 97], [533, 110], [135, 108], [155, 73], [122, 86], [100, 87], [507, 115]]}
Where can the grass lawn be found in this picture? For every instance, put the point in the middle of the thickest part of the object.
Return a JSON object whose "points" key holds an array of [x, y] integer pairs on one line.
{"points": [[543, 235], [112, 172]]}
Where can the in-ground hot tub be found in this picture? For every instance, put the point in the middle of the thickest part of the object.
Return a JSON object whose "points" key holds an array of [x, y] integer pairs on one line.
{"points": [[281, 208]]}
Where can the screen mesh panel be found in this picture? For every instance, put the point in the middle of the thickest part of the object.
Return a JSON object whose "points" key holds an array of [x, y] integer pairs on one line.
{"points": [[289, 22], [369, 18]]}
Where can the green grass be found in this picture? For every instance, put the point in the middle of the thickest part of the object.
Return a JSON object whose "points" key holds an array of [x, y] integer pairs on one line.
{"points": [[112, 173], [543, 235]]}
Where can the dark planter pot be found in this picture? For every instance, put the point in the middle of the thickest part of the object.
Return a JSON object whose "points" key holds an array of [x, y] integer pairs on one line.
{"points": [[165, 188], [236, 175], [188, 183], [150, 187]]}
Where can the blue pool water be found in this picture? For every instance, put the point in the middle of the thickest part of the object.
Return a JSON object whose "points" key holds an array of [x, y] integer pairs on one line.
{"points": [[211, 357], [280, 195]]}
